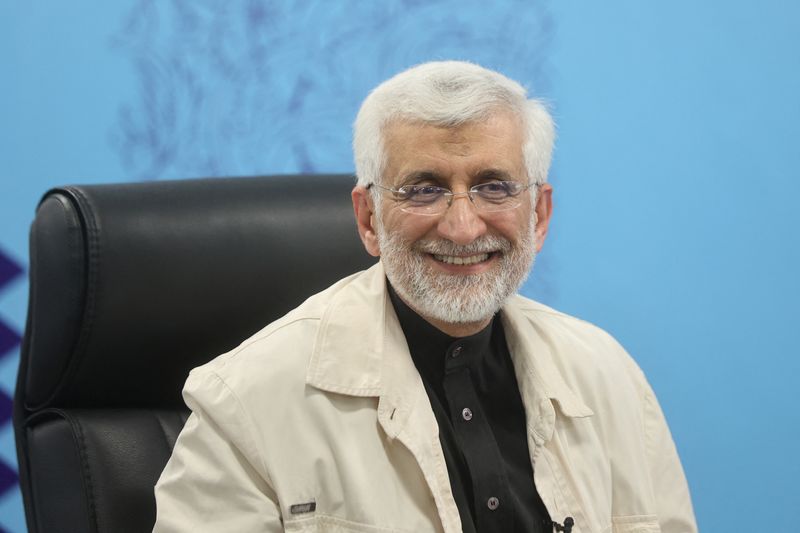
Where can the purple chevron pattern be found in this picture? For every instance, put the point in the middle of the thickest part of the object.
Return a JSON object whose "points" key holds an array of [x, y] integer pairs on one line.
{"points": [[9, 340], [8, 478], [8, 271], [5, 408]]}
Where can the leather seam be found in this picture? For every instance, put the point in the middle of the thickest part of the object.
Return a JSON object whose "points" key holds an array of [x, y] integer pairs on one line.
{"points": [[92, 265], [72, 221], [85, 470], [76, 360]]}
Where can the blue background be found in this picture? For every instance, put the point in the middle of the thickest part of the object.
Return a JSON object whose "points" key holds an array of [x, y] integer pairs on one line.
{"points": [[676, 172]]}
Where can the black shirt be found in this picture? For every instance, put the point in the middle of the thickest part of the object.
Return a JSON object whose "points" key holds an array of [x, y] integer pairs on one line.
{"points": [[473, 390]]}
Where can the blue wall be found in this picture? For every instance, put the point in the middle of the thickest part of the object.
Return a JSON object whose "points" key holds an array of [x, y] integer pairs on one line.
{"points": [[675, 173]]}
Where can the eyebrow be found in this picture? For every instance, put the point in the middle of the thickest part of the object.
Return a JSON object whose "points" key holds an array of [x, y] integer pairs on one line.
{"points": [[493, 174], [487, 174], [418, 176]]}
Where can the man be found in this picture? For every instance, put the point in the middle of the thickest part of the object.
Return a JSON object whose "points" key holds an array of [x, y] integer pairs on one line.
{"points": [[423, 394]]}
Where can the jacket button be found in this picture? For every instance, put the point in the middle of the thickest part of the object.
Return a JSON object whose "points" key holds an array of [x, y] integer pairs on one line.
{"points": [[466, 413], [492, 503], [456, 351]]}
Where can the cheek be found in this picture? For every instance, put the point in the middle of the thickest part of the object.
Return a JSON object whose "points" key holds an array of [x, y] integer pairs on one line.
{"points": [[511, 225], [409, 227]]}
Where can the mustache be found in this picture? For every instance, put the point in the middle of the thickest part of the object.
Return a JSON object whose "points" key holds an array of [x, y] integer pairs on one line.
{"points": [[484, 244]]}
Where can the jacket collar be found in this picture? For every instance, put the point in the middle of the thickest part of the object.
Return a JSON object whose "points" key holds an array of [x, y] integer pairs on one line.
{"points": [[534, 362], [360, 350]]}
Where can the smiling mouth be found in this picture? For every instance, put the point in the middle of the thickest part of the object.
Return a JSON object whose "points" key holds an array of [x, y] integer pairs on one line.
{"points": [[458, 260]]}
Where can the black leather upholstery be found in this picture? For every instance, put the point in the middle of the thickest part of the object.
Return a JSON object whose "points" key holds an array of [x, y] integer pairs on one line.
{"points": [[132, 285]]}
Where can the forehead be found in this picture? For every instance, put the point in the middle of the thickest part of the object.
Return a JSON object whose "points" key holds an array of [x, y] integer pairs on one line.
{"points": [[454, 153]]}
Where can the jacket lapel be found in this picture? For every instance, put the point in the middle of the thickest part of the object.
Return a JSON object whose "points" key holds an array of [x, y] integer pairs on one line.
{"points": [[360, 350], [546, 397]]}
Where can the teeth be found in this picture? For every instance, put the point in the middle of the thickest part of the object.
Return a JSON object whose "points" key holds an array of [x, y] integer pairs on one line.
{"points": [[454, 260]]}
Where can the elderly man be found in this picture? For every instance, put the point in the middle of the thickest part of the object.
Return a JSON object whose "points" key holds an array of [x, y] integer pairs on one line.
{"points": [[423, 394]]}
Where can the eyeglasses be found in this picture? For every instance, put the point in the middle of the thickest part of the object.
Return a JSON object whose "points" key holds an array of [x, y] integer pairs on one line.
{"points": [[491, 196]]}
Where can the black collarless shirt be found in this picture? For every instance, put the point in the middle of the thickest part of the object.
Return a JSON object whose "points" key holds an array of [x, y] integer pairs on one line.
{"points": [[473, 390]]}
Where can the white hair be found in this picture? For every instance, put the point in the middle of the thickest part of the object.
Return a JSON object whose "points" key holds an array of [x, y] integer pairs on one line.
{"points": [[449, 94]]}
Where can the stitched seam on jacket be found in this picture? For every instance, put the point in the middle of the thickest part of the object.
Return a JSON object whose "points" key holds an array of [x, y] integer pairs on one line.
{"points": [[566, 506], [248, 427], [362, 392], [358, 526], [647, 428], [267, 334]]}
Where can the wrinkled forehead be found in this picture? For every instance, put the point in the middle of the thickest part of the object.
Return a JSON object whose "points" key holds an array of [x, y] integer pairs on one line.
{"points": [[494, 141]]}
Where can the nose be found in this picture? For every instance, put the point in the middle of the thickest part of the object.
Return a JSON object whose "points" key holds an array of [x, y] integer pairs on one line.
{"points": [[461, 223]]}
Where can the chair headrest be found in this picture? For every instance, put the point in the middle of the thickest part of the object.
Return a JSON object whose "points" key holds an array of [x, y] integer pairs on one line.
{"points": [[134, 284]]}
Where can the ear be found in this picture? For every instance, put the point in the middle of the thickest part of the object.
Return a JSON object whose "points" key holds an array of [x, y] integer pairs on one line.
{"points": [[365, 219], [544, 210]]}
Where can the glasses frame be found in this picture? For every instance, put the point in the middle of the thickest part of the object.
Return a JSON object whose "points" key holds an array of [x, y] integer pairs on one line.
{"points": [[450, 195]]}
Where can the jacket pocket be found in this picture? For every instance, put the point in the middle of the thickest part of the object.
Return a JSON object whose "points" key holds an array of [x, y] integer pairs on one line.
{"points": [[331, 524], [635, 524]]}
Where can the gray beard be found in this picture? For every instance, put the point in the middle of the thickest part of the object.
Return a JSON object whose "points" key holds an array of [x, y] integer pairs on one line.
{"points": [[456, 299]]}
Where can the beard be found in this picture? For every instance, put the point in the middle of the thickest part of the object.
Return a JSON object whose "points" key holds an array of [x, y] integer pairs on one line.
{"points": [[454, 298]]}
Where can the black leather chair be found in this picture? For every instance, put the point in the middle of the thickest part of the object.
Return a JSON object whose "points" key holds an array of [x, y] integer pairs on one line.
{"points": [[132, 285]]}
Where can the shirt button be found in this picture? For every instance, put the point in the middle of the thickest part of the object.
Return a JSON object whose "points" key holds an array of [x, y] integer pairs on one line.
{"points": [[456, 351], [492, 503], [467, 414]]}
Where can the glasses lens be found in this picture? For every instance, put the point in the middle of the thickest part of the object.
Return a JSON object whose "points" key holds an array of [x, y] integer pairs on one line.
{"points": [[497, 195], [422, 199], [433, 200]]}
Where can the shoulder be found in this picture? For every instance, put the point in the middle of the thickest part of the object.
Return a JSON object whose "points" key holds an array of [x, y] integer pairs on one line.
{"points": [[588, 358], [273, 360], [559, 327]]}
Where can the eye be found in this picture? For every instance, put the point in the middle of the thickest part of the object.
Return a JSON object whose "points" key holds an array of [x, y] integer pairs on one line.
{"points": [[421, 194], [496, 190]]}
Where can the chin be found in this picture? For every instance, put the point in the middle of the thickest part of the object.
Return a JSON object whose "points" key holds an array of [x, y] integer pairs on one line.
{"points": [[452, 298]]}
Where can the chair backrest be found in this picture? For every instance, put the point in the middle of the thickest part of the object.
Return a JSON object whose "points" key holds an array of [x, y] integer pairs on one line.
{"points": [[132, 285]]}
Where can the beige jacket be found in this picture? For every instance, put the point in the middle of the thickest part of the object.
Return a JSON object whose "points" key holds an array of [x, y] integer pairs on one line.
{"points": [[320, 422]]}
